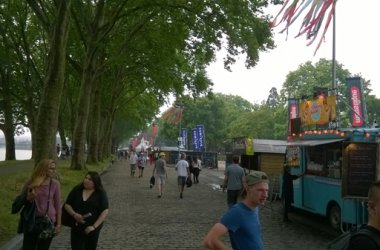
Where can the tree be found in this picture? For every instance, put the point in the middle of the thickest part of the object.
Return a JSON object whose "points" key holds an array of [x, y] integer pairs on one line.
{"points": [[373, 109], [217, 112], [272, 100], [119, 44], [18, 70], [56, 27], [193, 32]]}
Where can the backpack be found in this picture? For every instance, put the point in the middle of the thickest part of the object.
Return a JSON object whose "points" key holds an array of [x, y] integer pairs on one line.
{"points": [[342, 241]]}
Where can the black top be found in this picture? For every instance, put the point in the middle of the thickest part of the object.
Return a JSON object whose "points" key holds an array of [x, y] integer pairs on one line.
{"points": [[95, 204], [363, 241], [287, 185]]}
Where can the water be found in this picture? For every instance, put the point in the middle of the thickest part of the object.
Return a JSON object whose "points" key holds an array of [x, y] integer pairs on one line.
{"points": [[21, 154]]}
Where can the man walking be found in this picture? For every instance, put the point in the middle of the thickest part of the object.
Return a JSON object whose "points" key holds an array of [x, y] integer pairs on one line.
{"points": [[234, 179], [371, 239], [183, 172], [132, 162], [242, 220], [159, 172]]}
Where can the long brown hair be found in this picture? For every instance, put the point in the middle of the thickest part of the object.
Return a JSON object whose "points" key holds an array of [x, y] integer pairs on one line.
{"points": [[39, 173]]}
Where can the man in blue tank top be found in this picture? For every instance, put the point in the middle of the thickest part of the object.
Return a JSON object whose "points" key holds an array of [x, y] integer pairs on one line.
{"points": [[242, 220]]}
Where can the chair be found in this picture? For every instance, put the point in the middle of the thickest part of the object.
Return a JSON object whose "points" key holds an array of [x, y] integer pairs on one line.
{"points": [[274, 190]]}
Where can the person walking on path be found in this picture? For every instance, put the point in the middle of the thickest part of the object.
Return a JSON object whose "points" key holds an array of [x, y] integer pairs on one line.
{"points": [[369, 241], [287, 190], [44, 191], [132, 162], [234, 179], [183, 173], [242, 220], [160, 173], [87, 204], [141, 163], [197, 164]]}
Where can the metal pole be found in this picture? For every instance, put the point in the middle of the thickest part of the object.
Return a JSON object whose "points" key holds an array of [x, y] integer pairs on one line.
{"points": [[180, 106], [179, 138], [333, 55], [334, 83]]}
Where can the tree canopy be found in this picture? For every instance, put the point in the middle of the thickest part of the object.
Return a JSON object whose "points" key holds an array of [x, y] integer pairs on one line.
{"points": [[87, 66]]}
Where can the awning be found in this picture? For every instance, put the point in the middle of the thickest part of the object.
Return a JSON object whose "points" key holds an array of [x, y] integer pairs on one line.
{"points": [[312, 142]]}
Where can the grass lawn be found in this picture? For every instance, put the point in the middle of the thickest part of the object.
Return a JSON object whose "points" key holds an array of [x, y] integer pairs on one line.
{"points": [[12, 181]]}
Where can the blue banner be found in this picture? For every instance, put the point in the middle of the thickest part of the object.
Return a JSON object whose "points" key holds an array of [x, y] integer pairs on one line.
{"points": [[201, 137], [195, 139], [184, 137]]}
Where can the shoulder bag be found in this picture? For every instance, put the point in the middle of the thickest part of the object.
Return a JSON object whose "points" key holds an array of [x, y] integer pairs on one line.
{"points": [[43, 225]]}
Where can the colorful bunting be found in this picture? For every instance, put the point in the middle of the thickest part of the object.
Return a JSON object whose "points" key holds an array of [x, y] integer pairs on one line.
{"points": [[173, 115], [312, 21]]}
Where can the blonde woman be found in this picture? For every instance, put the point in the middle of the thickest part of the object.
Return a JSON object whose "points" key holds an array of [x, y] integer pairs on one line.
{"points": [[44, 190]]}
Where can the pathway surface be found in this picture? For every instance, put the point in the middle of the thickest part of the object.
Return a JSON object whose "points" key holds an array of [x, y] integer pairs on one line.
{"points": [[138, 220]]}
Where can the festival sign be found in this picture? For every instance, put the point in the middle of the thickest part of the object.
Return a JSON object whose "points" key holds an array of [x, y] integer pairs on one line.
{"points": [[201, 137], [249, 148], [195, 139], [184, 137], [242, 146], [293, 111], [155, 129], [319, 111], [356, 102]]}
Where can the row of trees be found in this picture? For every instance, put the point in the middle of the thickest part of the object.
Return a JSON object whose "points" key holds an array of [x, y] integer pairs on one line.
{"points": [[226, 117], [97, 71]]}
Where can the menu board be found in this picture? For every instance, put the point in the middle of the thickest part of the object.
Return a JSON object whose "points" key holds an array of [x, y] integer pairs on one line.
{"points": [[293, 155], [359, 168]]}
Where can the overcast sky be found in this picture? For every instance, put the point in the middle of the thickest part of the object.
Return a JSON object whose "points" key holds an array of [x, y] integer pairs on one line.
{"points": [[357, 48]]}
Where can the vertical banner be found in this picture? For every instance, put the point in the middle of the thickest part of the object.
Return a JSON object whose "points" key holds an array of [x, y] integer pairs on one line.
{"points": [[184, 138], [356, 101], [201, 137], [154, 129], [293, 111], [249, 146], [133, 143], [195, 139]]}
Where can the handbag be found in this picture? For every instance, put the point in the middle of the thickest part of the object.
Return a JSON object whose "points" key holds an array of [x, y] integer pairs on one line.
{"points": [[188, 182], [152, 181], [43, 225]]}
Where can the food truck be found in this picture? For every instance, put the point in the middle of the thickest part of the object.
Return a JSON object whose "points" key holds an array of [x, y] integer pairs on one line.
{"points": [[339, 164]]}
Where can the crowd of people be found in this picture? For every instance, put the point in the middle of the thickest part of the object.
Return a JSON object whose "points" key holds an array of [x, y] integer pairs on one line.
{"points": [[86, 207]]}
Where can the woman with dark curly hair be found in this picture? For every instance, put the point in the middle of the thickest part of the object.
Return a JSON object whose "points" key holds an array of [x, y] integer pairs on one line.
{"points": [[87, 204]]}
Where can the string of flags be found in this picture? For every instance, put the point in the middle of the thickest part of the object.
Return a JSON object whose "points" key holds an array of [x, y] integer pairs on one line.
{"points": [[173, 115], [313, 18]]}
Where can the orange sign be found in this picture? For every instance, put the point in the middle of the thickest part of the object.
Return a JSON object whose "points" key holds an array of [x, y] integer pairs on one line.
{"points": [[319, 111]]}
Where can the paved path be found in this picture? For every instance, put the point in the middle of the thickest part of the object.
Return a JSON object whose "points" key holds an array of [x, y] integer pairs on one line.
{"points": [[138, 220]]}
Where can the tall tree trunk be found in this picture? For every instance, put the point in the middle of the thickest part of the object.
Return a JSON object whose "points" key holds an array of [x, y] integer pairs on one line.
{"points": [[78, 159], [47, 120], [7, 127], [93, 128]]}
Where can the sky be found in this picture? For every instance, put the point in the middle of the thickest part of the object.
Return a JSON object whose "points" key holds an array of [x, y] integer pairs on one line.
{"points": [[357, 48]]}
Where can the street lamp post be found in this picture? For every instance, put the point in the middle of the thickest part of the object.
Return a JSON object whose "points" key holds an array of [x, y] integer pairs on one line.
{"points": [[179, 141]]}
